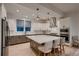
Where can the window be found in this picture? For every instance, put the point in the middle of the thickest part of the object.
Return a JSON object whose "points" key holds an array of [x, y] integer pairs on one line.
{"points": [[20, 25], [27, 25], [23, 26]]}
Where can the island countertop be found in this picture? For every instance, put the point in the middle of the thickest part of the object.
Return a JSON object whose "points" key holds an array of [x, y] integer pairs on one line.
{"points": [[40, 39]]}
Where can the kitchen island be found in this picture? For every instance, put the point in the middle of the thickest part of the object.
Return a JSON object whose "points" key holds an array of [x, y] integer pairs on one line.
{"points": [[38, 40]]}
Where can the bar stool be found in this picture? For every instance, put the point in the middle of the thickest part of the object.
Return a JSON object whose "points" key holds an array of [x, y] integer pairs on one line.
{"points": [[46, 49], [55, 47], [62, 44]]}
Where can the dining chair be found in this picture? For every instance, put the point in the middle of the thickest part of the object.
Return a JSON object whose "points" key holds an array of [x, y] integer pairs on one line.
{"points": [[46, 48]]}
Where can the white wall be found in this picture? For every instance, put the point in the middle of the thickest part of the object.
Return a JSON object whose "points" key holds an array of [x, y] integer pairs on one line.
{"points": [[34, 26], [73, 22], [74, 26]]}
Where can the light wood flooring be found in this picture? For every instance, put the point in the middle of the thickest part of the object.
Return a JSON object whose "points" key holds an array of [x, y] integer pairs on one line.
{"points": [[25, 50]]}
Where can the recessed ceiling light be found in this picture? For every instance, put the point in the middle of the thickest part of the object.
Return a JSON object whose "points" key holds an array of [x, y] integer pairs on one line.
{"points": [[17, 10]]}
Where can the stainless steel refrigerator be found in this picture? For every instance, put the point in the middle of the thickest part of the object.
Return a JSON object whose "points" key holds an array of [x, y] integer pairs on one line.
{"points": [[4, 36]]}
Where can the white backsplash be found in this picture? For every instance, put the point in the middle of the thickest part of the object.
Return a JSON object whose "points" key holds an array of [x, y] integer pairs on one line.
{"points": [[36, 28]]}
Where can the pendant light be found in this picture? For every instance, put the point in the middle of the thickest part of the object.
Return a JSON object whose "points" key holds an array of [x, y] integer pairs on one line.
{"points": [[37, 17]]}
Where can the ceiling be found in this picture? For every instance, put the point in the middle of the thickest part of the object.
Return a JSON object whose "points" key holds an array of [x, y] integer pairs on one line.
{"points": [[29, 9], [67, 7]]}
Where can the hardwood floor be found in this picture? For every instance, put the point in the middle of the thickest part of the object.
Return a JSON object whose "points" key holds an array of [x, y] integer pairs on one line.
{"points": [[25, 50], [20, 50]]}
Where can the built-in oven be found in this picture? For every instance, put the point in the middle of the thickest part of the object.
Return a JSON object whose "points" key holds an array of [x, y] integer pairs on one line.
{"points": [[65, 33]]}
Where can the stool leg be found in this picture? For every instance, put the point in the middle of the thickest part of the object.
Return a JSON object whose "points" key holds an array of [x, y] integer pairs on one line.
{"points": [[63, 49], [50, 54], [54, 52], [39, 53]]}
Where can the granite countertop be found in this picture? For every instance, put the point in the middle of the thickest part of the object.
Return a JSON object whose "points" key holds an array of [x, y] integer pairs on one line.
{"points": [[43, 38]]}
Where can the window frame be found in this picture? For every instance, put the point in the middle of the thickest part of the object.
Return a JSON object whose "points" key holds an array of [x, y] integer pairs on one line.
{"points": [[17, 25], [28, 26], [24, 25]]}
